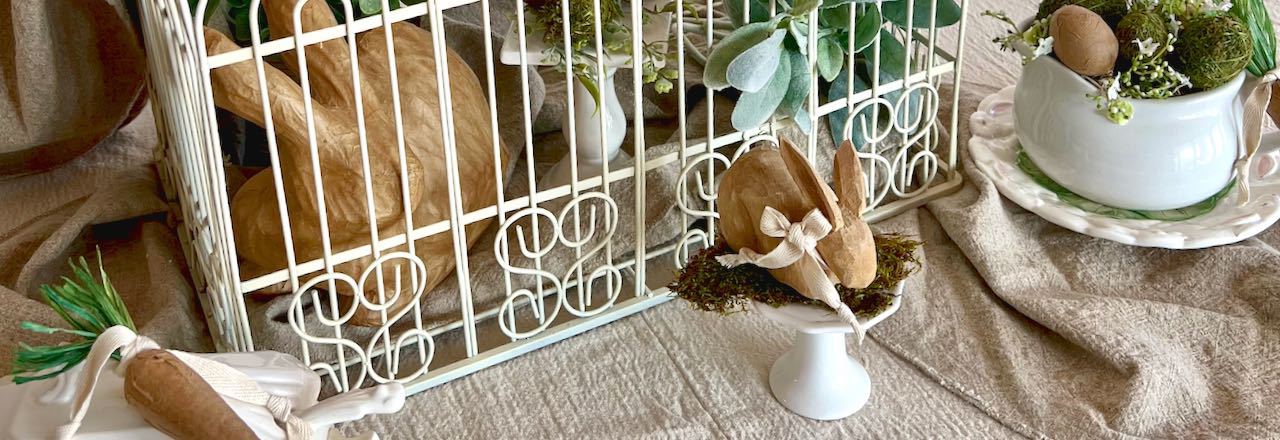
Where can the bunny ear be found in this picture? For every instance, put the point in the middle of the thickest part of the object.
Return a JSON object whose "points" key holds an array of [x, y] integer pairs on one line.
{"points": [[810, 184], [850, 183]]}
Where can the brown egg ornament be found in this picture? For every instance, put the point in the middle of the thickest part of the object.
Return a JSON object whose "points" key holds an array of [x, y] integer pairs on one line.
{"points": [[1083, 41]]}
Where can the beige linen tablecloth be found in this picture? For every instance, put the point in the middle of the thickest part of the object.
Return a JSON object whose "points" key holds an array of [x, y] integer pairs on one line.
{"points": [[1015, 327]]}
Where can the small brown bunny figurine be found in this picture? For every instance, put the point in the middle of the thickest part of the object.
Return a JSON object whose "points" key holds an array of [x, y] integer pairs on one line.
{"points": [[772, 202]]}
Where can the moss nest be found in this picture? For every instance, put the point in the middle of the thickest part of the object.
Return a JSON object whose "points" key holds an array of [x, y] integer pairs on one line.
{"points": [[1110, 10], [709, 286], [1213, 49], [1140, 25]]}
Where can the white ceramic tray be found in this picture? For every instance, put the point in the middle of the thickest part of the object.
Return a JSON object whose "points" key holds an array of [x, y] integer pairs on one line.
{"points": [[994, 147]]}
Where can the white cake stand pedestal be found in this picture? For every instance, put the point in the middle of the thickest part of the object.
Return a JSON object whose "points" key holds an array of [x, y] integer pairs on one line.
{"points": [[817, 378]]}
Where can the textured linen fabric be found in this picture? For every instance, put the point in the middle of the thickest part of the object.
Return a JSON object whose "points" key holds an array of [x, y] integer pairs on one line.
{"points": [[1014, 327]]}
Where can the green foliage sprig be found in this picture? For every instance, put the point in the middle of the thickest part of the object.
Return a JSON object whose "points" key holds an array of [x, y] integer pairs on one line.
{"points": [[767, 57], [709, 286], [547, 18], [89, 306]]}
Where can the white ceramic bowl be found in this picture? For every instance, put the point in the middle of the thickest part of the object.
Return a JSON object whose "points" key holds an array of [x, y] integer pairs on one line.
{"points": [[1174, 152]]}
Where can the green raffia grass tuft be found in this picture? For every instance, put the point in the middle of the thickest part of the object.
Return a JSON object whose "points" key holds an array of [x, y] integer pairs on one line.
{"points": [[89, 306], [709, 286]]}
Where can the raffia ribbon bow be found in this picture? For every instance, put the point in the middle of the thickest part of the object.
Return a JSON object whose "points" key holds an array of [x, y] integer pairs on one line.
{"points": [[227, 381], [1256, 106], [799, 240]]}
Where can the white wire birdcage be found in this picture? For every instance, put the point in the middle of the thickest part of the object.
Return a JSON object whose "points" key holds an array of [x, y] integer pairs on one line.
{"points": [[583, 244]]}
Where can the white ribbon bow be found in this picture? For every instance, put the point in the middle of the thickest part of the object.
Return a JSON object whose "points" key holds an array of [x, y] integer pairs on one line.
{"points": [[1255, 110], [799, 240], [225, 380]]}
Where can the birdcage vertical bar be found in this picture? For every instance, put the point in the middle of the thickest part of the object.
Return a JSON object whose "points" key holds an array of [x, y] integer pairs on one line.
{"points": [[637, 87], [462, 266]]}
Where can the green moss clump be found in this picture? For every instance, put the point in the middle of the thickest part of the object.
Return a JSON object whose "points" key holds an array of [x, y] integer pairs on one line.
{"points": [[1048, 7], [1110, 10], [709, 286], [1140, 25], [1213, 49]]}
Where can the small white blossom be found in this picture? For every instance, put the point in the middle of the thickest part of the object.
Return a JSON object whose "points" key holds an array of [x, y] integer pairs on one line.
{"points": [[1215, 6], [1113, 90], [1146, 47], [1044, 47]]}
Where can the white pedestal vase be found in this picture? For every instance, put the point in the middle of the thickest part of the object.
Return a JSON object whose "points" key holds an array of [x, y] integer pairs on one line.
{"points": [[588, 137], [817, 378], [594, 146]]}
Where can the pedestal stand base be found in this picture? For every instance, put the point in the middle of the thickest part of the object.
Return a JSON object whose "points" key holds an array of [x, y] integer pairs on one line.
{"points": [[817, 378], [559, 174]]}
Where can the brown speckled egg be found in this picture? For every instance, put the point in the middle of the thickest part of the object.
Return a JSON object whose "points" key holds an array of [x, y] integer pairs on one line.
{"points": [[1083, 41]]}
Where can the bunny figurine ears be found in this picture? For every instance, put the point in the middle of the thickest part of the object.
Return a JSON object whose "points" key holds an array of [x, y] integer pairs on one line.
{"points": [[778, 214]]}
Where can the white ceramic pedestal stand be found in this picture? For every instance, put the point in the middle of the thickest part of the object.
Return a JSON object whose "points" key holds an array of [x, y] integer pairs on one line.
{"points": [[817, 378], [587, 134], [593, 146]]}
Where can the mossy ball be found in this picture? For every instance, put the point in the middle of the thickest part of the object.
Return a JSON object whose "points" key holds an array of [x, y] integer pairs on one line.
{"points": [[1140, 25], [1110, 10], [1048, 7], [1213, 49]]}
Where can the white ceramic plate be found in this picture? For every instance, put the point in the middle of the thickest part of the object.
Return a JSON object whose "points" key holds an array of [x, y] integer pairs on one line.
{"points": [[817, 320], [994, 148]]}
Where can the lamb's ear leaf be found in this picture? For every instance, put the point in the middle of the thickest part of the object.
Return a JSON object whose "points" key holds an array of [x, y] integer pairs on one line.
{"points": [[725, 51], [947, 13], [754, 109], [850, 183], [754, 67], [810, 184]]}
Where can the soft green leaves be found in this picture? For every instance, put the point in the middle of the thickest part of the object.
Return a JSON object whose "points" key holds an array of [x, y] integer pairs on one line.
{"points": [[798, 89], [893, 56], [759, 11], [715, 76], [802, 7], [861, 82], [755, 108], [948, 13], [754, 67], [830, 59], [866, 25]]}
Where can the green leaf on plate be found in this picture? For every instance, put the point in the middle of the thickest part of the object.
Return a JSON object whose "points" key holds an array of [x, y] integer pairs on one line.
{"points": [[755, 108], [754, 67], [948, 13], [1086, 205], [715, 76]]}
